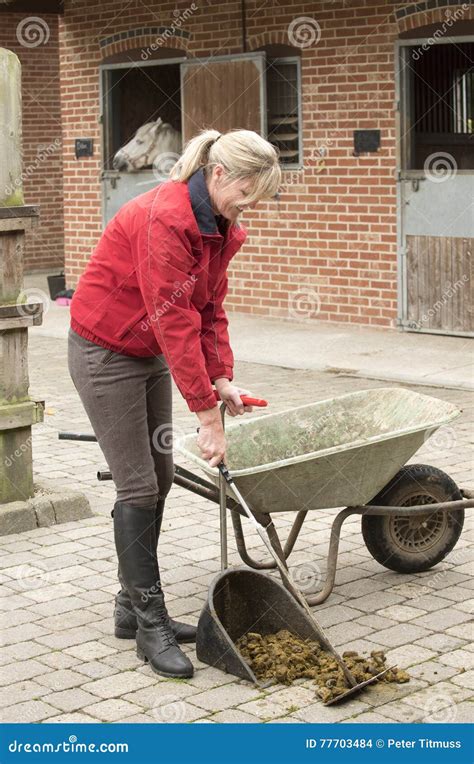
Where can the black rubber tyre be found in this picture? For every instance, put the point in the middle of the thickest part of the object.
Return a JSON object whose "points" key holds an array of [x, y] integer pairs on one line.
{"points": [[410, 545]]}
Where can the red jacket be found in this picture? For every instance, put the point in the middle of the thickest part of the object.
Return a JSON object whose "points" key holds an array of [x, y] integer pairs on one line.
{"points": [[156, 282]]}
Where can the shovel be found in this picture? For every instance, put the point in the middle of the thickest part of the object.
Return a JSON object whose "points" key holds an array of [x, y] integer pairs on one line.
{"points": [[220, 611]]}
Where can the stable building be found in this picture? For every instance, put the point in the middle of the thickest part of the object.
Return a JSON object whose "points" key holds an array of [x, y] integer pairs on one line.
{"points": [[371, 105]]}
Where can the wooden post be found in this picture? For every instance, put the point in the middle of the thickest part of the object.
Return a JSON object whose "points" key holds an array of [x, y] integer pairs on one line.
{"points": [[17, 411], [11, 191]]}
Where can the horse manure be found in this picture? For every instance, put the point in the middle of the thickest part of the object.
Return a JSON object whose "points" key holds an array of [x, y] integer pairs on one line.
{"points": [[285, 657]]}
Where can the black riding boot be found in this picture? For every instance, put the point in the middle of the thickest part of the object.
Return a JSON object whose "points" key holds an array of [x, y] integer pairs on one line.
{"points": [[124, 614], [135, 541]]}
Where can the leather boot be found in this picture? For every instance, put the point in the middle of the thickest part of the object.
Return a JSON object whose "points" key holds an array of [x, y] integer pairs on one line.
{"points": [[124, 615], [135, 542]]}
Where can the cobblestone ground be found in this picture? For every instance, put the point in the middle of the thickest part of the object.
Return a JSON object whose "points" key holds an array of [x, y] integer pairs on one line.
{"points": [[61, 663]]}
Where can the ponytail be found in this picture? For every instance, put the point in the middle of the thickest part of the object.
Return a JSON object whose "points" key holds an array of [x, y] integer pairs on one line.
{"points": [[244, 154]]}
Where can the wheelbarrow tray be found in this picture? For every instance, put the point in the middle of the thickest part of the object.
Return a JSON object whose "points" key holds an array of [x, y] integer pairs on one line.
{"points": [[334, 453]]}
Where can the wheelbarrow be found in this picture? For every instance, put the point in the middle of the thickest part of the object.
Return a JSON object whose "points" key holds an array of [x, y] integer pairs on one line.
{"points": [[347, 452]]}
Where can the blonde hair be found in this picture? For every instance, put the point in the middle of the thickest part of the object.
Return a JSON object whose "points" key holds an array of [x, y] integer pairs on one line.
{"points": [[244, 155]]}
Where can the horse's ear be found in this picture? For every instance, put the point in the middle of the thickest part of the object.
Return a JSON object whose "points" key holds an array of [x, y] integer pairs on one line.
{"points": [[158, 122]]}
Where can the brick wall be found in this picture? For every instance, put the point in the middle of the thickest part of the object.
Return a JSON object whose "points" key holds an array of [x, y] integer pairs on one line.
{"points": [[327, 250], [36, 45]]}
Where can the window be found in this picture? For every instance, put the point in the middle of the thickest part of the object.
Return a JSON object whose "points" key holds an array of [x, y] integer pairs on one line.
{"points": [[283, 97], [464, 102], [439, 104], [283, 108]]}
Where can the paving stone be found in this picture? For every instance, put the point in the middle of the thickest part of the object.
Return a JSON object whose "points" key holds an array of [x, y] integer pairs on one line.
{"points": [[331, 616], [398, 635], [74, 718], [409, 655], [438, 702], [22, 651], [464, 679], [60, 641], [442, 619], [127, 681], [58, 660], [371, 602], [29, 711], [227, 696], [265, 708], [23, 633], [66, 547], [339, 634], [57, 607], [95, 669], [70, 700], [317, 713], [376, 622], [401, 612], [401, 712], [294, 695], [466, 607], [63, 679], [176, 711], [441, 642], [458, 659], [359, 587], [53, 593], [12, 601], [462, 630], [90, 650], [432, 671], [110, 710], [369, 717], [15, 672], [235, 716], [162, 691], [18, 692]]}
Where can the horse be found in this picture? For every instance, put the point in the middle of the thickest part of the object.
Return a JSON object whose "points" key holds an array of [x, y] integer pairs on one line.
{"points": [[154, 141]]}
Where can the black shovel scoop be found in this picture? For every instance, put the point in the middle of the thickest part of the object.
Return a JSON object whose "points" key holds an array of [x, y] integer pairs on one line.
{"points": [[242, 600]]}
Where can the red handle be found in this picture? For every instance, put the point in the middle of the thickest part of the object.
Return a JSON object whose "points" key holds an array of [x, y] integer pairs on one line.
{"points": [[246, 400]]}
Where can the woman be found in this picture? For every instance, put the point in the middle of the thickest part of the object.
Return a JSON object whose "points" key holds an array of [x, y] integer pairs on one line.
{"points": [[150, 303]]}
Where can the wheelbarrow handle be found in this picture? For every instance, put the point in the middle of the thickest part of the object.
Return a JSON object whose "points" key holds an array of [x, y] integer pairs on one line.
{"points": [[247, 400]]}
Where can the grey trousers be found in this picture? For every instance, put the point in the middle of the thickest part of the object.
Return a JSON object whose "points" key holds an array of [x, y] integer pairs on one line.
{"points": [[128, 402]]}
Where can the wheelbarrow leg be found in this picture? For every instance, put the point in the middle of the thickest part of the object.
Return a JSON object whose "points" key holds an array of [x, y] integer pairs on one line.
{"points": [[266, 564], [223, 521]]}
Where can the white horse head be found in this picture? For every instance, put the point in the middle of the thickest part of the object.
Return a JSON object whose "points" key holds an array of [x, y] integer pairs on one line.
{"points": [[151, 143]]}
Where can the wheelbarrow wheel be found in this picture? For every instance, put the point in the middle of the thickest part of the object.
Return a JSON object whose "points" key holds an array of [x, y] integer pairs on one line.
{"points": [[411, 545]]}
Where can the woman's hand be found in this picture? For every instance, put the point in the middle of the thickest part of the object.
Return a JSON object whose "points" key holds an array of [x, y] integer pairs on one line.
{"points": [[211, 439], [231, 396]]}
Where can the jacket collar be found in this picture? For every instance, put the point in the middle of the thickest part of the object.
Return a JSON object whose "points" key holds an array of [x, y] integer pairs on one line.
{"points": [[201, 204]]}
